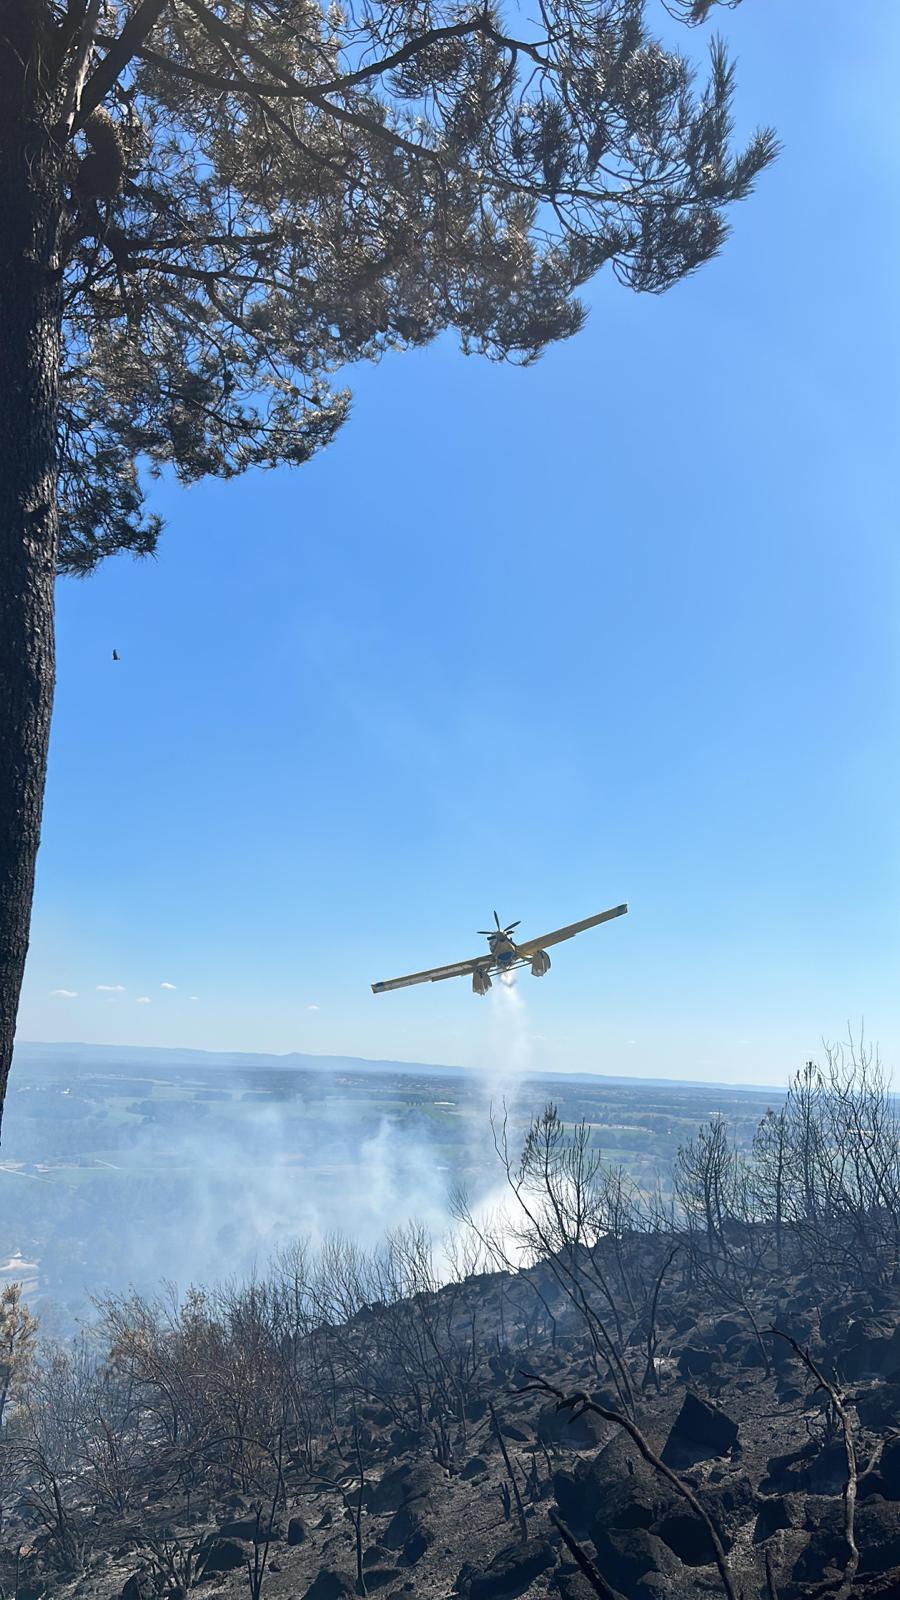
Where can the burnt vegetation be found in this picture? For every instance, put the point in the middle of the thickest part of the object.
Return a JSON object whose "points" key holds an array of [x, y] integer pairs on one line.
{"points": [[596, 1390]]}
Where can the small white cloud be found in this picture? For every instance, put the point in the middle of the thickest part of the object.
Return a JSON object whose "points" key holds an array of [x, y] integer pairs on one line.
{"points": [[193, 997], [631, 1041], [143, 1000], [65, 994], [312, 1008], [110, 988], [167, 986]]}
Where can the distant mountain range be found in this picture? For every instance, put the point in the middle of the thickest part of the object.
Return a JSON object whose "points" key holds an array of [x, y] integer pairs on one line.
{"points": [[33, 1053]]}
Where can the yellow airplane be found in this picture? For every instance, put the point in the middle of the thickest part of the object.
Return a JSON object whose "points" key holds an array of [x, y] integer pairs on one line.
{"points": [[505, 955]]}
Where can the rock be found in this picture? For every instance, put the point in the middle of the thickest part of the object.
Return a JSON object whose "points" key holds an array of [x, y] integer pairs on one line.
{"points": [[584, 1432], [412, 1481], [140, 1586], [473, 1467], [890, 1468], [642, 1500], [787, 1471], [249, 1527], [701, 1429], [331, 1584], [827, 1471], [416, 1545], [871, 1350], [879, 1408], [744, 1352], [403, 1524], [573, 1494], [224, 1555], [375, 1556], [377, 1577], [695, 1362], [615, 1487], [687, 1536], [298, 1531], [776, 1512], [726, 1328], [817, 1471], [511, 1571], [731, 1500], [626, 1555], [573, 1585], [878, 1535], [877, 1530], [511, 1430]]}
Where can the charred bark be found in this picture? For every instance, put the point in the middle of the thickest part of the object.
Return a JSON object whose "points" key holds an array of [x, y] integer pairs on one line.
{"points": [[31, 161]]}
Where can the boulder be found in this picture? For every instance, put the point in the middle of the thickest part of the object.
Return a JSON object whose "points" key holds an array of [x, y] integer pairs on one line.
{"points": [[403, 1525], [686, 1535], [641, 1500], [512, 1430], [870, 1350], [140, 1586], [582, 1489], [297, 1531], [252, 1528], [416, 1545], [878, 1535], [819, 1471], [573, 1585], [224, 1555], [510, 1572], [412, 1481], [890, 1468], [776, 1511], [700, 1430], [331, 1584], [744, 1351], [586, 1431], [879, 1408], [696, 1362], [474, 1467], [877, 1530], [375, 1556], [627, 1555], [378, 1577], [726, 1328]]}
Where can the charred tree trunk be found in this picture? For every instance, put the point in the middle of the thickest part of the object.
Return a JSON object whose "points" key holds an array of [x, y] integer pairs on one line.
{"points": [[30, 300]]}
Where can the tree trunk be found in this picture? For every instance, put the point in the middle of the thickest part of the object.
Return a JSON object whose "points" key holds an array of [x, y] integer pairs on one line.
{"points": [[30, 300]]}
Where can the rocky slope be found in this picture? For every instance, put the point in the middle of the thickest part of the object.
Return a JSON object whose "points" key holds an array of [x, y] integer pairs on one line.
{"points": [[743, 1425]]}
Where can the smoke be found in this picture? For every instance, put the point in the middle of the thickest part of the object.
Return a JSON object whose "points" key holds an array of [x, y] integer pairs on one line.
{"points": [[210, 1175], [244, 1194]]}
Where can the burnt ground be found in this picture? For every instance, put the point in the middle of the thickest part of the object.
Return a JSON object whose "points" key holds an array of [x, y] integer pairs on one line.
{"points": [[741, 1419]]}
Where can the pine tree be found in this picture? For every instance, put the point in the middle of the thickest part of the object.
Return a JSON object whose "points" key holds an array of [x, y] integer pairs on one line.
{"points": [[208, 207]]}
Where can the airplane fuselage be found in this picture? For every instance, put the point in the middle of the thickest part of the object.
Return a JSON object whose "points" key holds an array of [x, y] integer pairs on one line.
{"points": [[503, 949]]}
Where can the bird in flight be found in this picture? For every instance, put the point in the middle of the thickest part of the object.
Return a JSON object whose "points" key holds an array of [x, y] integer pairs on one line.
{"points": [[115, 655]]}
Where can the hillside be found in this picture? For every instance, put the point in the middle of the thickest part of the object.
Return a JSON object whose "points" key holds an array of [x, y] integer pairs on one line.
{"points": [[601, 1391]]}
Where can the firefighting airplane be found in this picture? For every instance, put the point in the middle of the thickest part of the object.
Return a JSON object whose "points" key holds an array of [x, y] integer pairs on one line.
{"points": [[504, 956]]}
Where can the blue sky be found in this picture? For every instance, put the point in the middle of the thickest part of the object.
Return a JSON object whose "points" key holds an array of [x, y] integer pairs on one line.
{"points": [[623, 626]]}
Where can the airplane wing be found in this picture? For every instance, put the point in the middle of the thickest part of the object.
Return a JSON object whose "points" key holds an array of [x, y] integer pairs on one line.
{"points": [[529, 946], [460, 969]]}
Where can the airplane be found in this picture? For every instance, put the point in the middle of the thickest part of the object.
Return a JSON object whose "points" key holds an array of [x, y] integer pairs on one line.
{"points": [[115, 655], [504, 955]]}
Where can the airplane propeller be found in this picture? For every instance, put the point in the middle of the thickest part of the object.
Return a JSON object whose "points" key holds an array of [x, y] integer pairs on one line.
{"points": [[488, 933]]}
